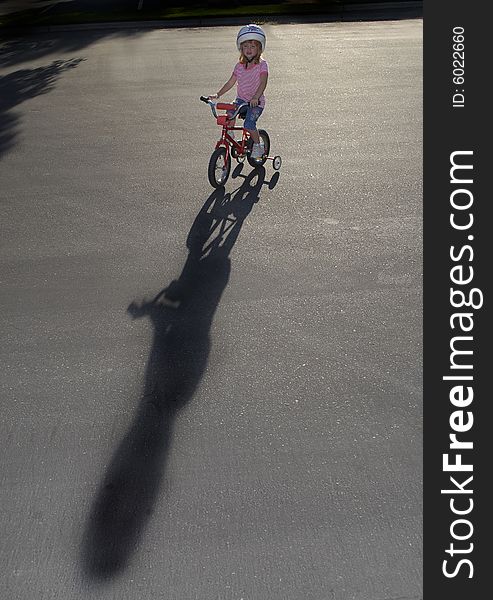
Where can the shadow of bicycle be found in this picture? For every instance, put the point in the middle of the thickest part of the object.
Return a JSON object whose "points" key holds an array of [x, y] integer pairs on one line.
{"points": [[181, 315]]}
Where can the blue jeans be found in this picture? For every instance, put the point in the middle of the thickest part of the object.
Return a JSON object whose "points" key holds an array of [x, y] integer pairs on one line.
{"points": [[252, 114]]}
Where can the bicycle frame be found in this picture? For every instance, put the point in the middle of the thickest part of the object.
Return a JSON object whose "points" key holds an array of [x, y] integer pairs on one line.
{"points": [[226, 140], [229, 142]]}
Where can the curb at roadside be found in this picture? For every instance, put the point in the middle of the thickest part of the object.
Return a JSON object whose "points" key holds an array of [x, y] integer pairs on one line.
{"points": [[353, 12]]}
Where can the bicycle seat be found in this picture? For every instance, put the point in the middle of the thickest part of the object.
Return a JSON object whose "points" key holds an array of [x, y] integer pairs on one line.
{"points": [[243, 112]]}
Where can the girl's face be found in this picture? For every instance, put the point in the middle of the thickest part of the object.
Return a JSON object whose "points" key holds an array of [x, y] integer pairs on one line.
{"points": [[250, 48]]}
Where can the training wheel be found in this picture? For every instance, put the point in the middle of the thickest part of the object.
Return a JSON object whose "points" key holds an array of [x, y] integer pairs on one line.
{"points": [[276, 162]]}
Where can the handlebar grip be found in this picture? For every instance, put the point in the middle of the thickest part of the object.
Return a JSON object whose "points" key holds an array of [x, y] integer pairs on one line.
{"points": [[204, 99]]}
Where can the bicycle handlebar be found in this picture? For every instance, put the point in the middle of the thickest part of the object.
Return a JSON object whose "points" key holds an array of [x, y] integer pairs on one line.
{"points": [[213, 107]]}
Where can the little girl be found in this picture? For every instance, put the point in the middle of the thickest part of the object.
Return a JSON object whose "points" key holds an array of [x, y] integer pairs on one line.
{"points": [[250, 73]]}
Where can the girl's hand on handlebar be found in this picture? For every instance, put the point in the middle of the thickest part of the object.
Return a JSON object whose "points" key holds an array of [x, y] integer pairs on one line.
{"points": [[213, 97]]}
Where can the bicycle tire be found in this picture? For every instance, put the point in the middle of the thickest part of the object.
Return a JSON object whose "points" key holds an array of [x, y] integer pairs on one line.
{"points": [[219, 168], [264, 137]]}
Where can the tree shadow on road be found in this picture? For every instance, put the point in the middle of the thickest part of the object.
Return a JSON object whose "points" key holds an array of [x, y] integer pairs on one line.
{"points": [[36, 46], [22, 85], [181, 315]]}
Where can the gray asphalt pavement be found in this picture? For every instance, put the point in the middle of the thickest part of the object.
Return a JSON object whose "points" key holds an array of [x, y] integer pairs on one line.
{"points": [[211, 395]]}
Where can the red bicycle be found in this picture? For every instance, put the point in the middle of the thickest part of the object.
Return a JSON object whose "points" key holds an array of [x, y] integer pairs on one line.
{"points": [[227, 146]]}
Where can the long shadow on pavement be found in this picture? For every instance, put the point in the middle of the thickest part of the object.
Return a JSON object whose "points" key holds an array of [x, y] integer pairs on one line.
{"points": [[181, 315]]}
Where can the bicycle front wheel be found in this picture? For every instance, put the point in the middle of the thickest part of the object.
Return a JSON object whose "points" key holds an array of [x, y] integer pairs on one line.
{"points": [[219, 167]]}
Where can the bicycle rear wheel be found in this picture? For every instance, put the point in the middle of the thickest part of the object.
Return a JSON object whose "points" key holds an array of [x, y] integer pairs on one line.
{"points": [[219, 167], [264, 138]]}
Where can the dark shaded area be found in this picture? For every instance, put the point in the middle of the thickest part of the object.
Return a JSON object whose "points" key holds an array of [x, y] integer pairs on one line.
{"points": [[181, 315], [22, 85], [92, 11]]}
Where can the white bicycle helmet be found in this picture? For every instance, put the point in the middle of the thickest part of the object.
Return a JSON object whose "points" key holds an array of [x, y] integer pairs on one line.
{"points": [[250, 32]]}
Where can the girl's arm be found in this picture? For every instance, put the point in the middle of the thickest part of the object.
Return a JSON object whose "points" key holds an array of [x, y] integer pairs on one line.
{"points": [[226, 87], [260, 89]]}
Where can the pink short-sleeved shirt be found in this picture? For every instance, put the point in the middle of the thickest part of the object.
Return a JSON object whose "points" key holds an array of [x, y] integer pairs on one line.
{"points": [[248, 80]]}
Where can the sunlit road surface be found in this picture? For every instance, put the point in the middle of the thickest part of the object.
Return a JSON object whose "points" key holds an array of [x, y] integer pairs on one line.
{"points": [[211, 395]]}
